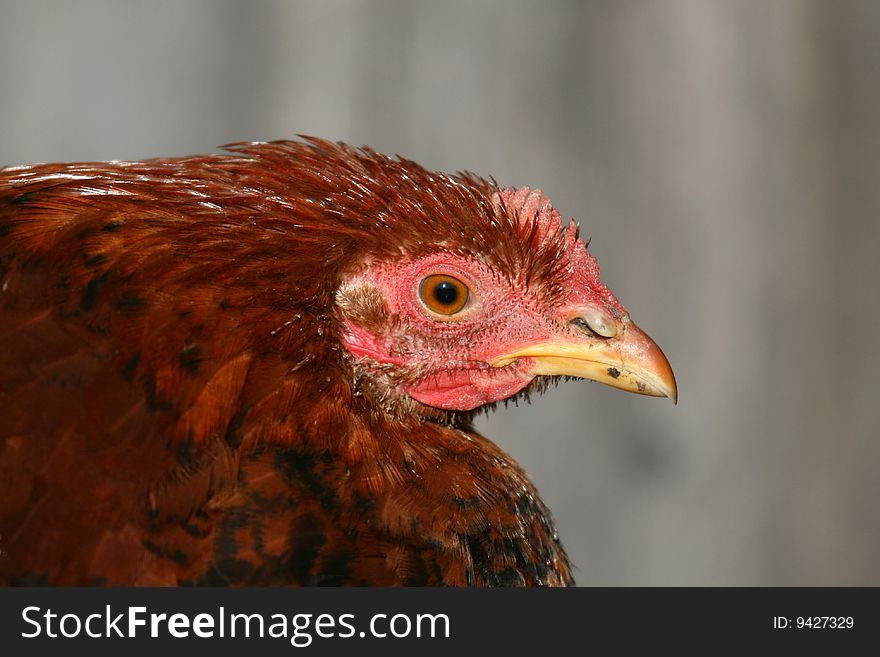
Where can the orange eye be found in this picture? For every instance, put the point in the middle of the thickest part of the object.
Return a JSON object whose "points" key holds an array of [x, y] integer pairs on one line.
{"points": [[444, 294]]}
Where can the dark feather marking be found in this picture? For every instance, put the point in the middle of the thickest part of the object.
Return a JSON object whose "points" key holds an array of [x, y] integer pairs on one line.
{"points": [[417, 574], [296, 466], [526, 505], [191, 357], [21, 199], [95, 260], [194, 530], [473, 502], [225, 545], [233, 430], [186, 453], [130, 366], [506, 577], [363, 504], [211, 577], [177, 556], [91, 290], [335, 569], [434, 543], [236, 571], [153, 403], [32, 579], [128, 302], [436, 570], [306, 540], [113, 226], [86, 233]]}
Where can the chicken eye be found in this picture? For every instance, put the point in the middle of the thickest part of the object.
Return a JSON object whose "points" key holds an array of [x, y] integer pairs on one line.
{"points": [[443, 294]]}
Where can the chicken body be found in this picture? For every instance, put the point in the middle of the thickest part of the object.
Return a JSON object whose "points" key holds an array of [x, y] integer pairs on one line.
{"points": [[207, 375]]}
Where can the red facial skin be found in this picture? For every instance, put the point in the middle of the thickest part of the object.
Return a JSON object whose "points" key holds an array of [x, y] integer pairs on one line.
{"points": [[449, 356]]}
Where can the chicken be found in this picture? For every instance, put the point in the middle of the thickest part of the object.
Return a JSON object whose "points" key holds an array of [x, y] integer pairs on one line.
{"points": [[260, 368]]}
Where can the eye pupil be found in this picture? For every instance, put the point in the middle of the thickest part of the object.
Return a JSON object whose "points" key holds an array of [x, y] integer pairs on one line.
{"points": [[445, 293]]}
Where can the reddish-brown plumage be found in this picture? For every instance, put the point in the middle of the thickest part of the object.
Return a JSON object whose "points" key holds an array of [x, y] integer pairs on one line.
{"points": [[175, 403]]}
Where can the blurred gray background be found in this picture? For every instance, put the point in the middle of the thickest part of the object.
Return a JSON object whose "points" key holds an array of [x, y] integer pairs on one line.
{"points": [[723, 156]]}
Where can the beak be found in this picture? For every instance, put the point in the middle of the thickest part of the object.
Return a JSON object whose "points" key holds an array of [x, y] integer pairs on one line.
{"points": [[630, 361]]}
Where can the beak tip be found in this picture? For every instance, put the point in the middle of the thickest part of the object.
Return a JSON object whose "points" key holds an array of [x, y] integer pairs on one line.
{"points": [[671, 389]]}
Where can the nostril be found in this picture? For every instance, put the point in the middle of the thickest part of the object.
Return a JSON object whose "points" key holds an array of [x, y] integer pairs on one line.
{"points": [[596, 322], [582, 325]]}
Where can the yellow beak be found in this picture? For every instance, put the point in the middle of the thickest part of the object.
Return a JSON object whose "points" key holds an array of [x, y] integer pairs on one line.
{"points": [[630, 361]]}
